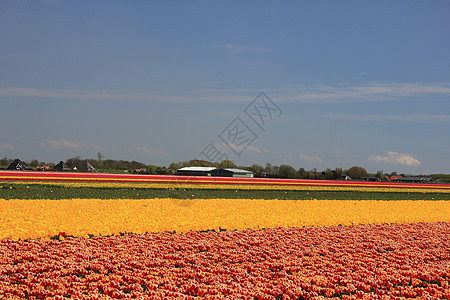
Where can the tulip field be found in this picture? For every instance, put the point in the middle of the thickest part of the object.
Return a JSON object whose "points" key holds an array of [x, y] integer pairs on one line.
{"points": [[119, 236]]}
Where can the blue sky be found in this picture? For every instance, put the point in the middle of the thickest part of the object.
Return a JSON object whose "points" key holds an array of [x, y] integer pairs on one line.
{"points": [[362, 83]]}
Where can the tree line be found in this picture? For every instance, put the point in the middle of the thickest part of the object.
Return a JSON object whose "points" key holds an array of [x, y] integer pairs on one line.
{"points": [[270, 171], [282, 171]]}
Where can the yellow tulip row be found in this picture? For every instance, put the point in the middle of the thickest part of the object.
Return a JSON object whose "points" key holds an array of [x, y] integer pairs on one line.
{"points": [[180, 185], [30, 219]]}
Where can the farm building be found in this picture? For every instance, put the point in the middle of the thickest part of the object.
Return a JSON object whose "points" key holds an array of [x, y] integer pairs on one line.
{"points": [[370, 178], [43, 168], [412, 179], [231, 173], [211, 171], [345, 177], [17, 164], [61, 166], [393, 177], [195, 171], [86, 166]]}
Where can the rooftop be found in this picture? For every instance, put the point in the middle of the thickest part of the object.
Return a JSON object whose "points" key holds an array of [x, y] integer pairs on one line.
{"points": [[238, 170], [201, 169]]}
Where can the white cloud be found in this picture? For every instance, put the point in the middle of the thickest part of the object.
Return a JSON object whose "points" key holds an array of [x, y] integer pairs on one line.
{"points": [[339, 93], [61, 144], [396, 158], [7, 147], [344, 93], [382, 118], [65, 144], [190, 96], [254, 149], [63, 94], [312, 159]]}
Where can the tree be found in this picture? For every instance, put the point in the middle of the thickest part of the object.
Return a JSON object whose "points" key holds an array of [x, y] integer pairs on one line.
{"points": [[111, 164], [339, 173], [275, 170], [379, 175], [286, 171], [328, 174], [356, 172], [301, 173], [151, 169], [225, 164], [122, 165], [137, 165], [257, 170], [74, 162], [34, 163], [100, 160], [268, 169], [5, 161], [200, 163], [161, 170], [173, 167]]}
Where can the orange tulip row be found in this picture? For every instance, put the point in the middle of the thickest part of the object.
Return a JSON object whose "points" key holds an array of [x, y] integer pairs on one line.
{"points": [[356, 262]]}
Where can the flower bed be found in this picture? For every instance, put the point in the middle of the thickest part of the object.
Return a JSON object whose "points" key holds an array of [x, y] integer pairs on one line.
{"points": [[68, 247], [24, 219], [368, 261], [205, 182]]}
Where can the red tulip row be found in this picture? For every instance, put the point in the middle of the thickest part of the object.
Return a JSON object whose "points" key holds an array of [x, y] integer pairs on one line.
{"points": [[371, 261]]}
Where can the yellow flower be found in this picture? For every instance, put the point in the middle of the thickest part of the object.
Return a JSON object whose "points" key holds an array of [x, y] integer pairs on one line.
{"points": [[24, 219], [318, 186]]}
